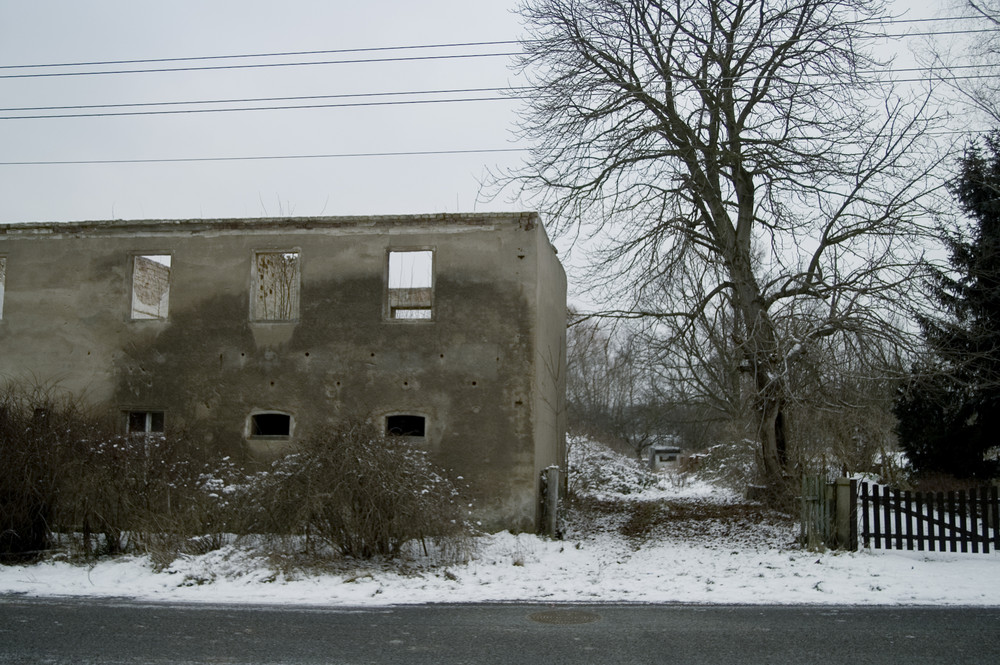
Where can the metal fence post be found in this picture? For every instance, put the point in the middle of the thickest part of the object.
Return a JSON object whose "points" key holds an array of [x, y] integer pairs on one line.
{"points": [[550, 505]]}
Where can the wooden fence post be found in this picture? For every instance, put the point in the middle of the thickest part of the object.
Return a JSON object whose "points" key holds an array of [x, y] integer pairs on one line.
{"points": [[846, 514]]}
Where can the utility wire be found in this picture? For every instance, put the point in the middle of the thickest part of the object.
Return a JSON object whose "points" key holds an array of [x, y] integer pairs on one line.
{"points": [[344, 155], [262, 55], [277, 54], [260, 65], [398, 102], [252, 100], [401, 93], [401, 102], [352, 61]]}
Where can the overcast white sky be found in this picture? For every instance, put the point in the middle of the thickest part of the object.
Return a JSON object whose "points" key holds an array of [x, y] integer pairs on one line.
{"points": [[68, 31]]}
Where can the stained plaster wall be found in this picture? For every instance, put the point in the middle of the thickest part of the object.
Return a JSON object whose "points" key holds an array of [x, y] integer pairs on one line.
{"points": [[485, 371]]}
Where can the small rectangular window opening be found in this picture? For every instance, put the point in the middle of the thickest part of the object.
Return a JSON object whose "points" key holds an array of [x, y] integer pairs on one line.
{"points": [[150, 286], [411, 282], [3, 279], [271, 425], [405, 425], [276, 285], [145, 422]]}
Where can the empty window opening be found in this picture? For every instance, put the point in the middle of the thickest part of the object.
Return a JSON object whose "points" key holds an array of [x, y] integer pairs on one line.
{"points": [[271, 425], [404, 425], [144, 422], [3, 278], [150, 286], [411, 282], [276, 285]]}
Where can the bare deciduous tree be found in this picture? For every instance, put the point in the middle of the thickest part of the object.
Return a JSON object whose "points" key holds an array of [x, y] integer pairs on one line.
{"points": [[611, 390], [746, 147], [968, 64]]}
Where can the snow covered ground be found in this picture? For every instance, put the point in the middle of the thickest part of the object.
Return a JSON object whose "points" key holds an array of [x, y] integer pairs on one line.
{"points": [[739, 554]]}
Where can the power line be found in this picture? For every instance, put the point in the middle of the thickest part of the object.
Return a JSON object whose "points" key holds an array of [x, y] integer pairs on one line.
{"points": [[935, 33], [344, 155], [250, 100], [400, 93], [373, 49], [261, 55], [401, 102], [368, 50], [415, 58]]}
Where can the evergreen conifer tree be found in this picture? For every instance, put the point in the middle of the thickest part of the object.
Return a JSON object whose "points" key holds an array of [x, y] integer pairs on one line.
{"points": [[949, 412]]}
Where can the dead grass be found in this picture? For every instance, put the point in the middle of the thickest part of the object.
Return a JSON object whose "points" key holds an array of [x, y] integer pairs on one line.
{"points": [[712, 523]]}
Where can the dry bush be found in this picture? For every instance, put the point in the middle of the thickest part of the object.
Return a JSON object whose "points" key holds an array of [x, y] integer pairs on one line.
{"points": [[42, 432], [72, 475], [356, 492]]}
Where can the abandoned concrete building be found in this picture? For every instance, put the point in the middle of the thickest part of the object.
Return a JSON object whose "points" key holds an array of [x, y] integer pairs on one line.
{"points": [[250, 334]]}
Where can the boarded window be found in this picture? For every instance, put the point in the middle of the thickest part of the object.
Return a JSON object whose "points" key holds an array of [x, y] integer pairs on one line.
{"points": [[3, 279], [150, 286], [411, 284], [144, 422], [272, 425], [276, 286], [404, 425]]}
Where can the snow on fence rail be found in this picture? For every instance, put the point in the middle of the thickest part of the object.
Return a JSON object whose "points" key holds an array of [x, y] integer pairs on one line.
{"points": [[940, 521]]}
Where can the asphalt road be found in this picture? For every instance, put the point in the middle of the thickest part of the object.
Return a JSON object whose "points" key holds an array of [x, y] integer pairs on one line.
{"points": [[103, 631]]}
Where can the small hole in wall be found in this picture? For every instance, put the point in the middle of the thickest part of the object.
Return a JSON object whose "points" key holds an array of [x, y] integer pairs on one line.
{"points": [[272, 383], [406, 383], [442, 355], [473, 383], [338, 384], [373, 354], [307, 354], [243, 355]]}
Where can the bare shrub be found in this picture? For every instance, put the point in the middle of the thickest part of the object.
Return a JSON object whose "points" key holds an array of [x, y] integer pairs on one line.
{"points": [[71, 474], [359, 493], [39, 426]]}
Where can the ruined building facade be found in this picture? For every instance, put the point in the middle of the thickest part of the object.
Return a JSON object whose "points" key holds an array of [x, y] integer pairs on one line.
{"points": [[250, 334]]}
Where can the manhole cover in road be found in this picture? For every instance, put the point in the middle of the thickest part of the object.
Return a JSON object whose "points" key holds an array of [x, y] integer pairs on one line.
{"points": [[564, 617]]}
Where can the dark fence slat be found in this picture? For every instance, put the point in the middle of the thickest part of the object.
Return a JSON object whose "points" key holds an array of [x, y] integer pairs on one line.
{"points": [[897, 504], [865, 521], [909, 509], [995, 515], [963, 520], [942, 531], [921, 517], [953, 523], [984, 516], [974, 529], [877, 514]]}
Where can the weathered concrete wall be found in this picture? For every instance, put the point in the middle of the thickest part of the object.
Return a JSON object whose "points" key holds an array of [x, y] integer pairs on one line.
{"points": [[483, 370]]}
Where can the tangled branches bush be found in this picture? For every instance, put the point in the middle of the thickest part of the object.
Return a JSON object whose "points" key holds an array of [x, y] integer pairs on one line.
{"points": [[32, 430], [361, 493], [70, 473], [72, 476]]}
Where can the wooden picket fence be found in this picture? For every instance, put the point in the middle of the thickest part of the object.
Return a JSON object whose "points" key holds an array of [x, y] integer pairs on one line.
{"points": [[942, 521]]}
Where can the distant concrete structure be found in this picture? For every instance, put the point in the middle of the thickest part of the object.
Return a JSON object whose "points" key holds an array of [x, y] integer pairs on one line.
{"points": [[664, 457], [254, 333]]}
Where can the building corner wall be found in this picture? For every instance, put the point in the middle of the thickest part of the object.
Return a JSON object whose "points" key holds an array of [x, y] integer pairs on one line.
{"points": [[550, 363]]}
